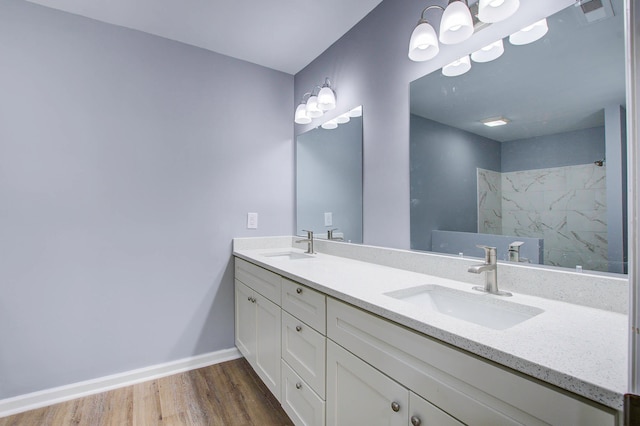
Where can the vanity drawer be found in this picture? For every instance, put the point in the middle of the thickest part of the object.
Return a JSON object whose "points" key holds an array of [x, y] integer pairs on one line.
{"points": [[299, 401], [264, 282], [305, 303], [472, 390], [304, 350]]}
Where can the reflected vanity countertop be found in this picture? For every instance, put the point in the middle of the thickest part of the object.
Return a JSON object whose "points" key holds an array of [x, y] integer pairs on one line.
{"points": [[577, 348]]}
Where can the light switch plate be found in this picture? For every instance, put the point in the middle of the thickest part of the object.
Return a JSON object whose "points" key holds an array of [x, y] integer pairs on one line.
{"points": [[328, 219], [252, 220]]}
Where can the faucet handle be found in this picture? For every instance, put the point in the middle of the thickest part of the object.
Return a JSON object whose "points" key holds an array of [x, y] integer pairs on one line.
{"points": [[515, 244], [309, 234], [490, 253]]}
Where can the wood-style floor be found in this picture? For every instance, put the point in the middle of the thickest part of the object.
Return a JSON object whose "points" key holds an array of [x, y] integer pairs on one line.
{"points": [[224, 394]]}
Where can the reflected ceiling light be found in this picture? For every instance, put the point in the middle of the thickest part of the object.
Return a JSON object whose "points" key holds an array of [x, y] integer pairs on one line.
{"points": [[457, 24], [489, 52], [356, 112], [491, 11], [301, 116], [313, 110], [326, 96], [344, 118], [495, 121], [457, 67], [530, 34], [330, 125]]}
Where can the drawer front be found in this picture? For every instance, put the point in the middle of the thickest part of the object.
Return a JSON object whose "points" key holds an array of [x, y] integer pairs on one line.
{"points": [[472, 390], [299, 401], [305, 303], [304, 350], [264, 282]]}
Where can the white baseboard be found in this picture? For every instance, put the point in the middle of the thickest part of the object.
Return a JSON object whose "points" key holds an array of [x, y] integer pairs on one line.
{"points": [[43, 398]]}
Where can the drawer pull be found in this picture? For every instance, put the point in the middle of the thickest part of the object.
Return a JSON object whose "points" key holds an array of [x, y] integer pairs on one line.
{"points": [[298, 385], [415, 421], [395, 406], [299, 290], [298, 328]]}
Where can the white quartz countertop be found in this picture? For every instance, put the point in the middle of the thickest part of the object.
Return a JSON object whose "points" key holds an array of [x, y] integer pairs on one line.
{"points": [[580, 349]]}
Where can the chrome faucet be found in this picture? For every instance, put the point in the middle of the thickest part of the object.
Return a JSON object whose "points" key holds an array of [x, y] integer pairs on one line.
{"points": [[331, 237], [514, 251], [490, 267], [309, 241]]}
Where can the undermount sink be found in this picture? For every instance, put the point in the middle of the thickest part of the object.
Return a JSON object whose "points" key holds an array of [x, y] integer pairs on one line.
{"points": [[481, 309], [288, 255]]}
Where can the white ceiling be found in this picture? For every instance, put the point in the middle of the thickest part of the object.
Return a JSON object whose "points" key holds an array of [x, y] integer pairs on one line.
{"points": [[285, 35]]}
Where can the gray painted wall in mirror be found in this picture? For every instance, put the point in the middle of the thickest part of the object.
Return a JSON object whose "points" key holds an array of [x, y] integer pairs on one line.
{"points": [[329, 179], [126, 172]]}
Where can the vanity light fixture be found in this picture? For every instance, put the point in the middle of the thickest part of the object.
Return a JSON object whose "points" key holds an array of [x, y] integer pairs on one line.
{"points": [[301, 116], [496, 121], [313, 110], [457, 67], [492, 11], [326, 96], [530, 33], [456, 25], [489, 52]]}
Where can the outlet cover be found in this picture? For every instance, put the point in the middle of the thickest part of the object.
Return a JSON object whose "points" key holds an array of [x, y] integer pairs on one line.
{"points": [[328, 219], [252, 220]]}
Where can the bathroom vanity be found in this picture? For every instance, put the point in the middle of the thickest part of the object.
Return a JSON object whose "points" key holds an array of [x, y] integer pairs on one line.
{"points": [[345, 338]]}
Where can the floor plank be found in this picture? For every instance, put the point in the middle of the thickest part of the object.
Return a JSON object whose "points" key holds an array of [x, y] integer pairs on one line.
{"points": [[225, 394]]}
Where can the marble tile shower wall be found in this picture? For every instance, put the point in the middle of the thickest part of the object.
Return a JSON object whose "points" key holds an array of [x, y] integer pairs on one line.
{"points": [[564, 205]]}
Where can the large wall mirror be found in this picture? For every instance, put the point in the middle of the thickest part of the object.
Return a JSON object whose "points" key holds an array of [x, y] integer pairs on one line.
{"points": [[551, 182], [329, 178]]}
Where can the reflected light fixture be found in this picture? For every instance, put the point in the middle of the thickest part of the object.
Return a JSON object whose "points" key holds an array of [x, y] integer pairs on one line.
{"points": [[301, 116], [326, 96], [356, 112], [457, 67], [489, 52], [491, 11], [330, 125], [456, 26], [530, 34], [495, 121], [342, 119]]}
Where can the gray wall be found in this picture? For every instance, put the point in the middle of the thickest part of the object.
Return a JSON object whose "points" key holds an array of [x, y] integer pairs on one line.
{"points": [[444, 188], [125, 171], [562, 149], [329, 179], [369, 66]]}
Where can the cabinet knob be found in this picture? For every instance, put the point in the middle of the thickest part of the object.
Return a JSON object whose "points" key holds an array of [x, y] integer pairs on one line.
{"points": [[299, 290], [249, 298], [415, 421], [298, 328], [298, 385], [395, 406]]}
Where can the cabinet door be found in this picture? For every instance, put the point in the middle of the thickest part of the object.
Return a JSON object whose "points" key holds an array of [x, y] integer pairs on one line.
{"points": [[268, 339], [423, 413], [245, 322], [358, 394]]}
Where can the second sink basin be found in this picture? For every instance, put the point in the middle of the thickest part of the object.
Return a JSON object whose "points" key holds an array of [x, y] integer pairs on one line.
{"points": [[481, 309], [288, 255]]}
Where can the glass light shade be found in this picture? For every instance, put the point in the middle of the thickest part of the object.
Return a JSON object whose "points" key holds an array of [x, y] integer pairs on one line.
{"points": [[326, 99], [491, 11], [312, 108], [424, 42], [489, 53], [530, 34], [344, 118], [457, 67], [329, 125], [356, 112], [301, 116], [457, 24]]}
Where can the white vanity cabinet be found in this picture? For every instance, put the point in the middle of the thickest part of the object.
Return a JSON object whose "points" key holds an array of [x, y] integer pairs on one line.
{"points": [[258, 322], [467, 388], [303, 353]]}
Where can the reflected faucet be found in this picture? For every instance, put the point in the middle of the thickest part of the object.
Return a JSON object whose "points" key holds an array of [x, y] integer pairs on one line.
{"points": [[309, 241], [514, 251], [490, 267], [331, 237]]}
